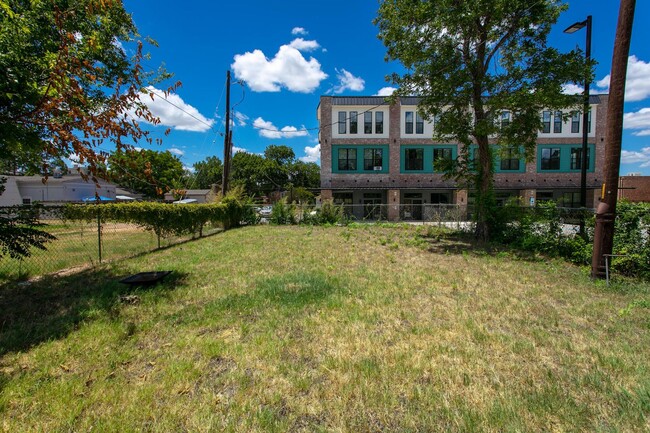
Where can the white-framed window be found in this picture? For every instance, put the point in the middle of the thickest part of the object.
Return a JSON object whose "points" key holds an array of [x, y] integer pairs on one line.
{"points": [[342, 122], [419, 124], [354, 122], [408, 122], [557, 122], [379, 122], [575, 123], [367, 122], [546, 122]]}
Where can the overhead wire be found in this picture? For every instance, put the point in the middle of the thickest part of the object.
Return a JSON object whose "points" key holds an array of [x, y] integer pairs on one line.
{"points": [[275, 130]]}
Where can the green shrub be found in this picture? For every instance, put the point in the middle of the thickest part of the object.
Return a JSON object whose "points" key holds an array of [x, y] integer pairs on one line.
{"points": [[540, 229], [160, 218], [330, 213], [632, 239], [283, 213]]}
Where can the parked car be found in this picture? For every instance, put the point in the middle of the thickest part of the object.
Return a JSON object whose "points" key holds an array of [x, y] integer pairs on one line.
{"points": [[265, 211]]}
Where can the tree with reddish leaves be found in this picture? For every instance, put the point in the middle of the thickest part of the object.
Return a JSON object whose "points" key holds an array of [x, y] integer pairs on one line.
{"points": [[67, 84]]}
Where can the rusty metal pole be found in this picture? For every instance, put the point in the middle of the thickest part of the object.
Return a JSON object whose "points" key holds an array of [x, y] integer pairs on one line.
{"points": [[606, 212]]}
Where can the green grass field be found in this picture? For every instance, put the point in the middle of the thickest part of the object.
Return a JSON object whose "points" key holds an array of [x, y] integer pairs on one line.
{"points": [[347, 329], [77, 245]]}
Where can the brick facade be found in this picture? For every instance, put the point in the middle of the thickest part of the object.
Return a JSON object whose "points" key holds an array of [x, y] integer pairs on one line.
{"points": [[524, 184], [634, 188]]}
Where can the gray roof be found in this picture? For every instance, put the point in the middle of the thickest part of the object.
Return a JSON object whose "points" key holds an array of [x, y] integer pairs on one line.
{"points": [[358, 100], [406, 100]]}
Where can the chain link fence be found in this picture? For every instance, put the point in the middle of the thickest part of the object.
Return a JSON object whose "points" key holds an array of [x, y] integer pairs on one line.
{"points": [[86, 243]]}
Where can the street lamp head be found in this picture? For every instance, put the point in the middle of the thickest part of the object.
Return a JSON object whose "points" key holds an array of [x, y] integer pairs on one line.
{"points": [[575, 27]]}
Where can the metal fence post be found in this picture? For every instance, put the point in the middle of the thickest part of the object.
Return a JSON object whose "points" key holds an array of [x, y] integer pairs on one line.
{"points": [[99, 233]]}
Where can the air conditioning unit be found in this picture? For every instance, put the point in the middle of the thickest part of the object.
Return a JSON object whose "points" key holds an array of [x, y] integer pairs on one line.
{"points": [[377, 168]]}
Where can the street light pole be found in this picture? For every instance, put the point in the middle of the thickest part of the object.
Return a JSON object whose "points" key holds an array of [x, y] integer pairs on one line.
{"points": [[584, 161]]}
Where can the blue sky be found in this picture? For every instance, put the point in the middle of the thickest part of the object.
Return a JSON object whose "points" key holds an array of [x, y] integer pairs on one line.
{"points": [[289, 53]]}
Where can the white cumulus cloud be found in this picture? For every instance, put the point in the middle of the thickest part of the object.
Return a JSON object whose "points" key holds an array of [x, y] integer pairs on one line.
{"points": [[176, 151], [241, 118], [269, 130], [236, 149], [287, 69], [299, 31], [180, 115], [347, 81], [637, 82], [385, 91], [639, 121], [636, 157], [302, 45], [312, 154], [572, 89]]}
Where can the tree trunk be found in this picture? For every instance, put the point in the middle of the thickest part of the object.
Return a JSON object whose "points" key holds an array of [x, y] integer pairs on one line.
{"points": [[484, 198]]}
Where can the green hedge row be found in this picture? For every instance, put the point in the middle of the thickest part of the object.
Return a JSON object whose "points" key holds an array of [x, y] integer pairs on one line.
{"points": [[160, 218]]}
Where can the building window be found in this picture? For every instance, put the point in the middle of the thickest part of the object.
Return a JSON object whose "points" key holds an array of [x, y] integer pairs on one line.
{"points": [[379, 122], [372, 159], [570, 199], [441, 158], [546, 122], [367, 122], [589, 121], [510, 160], [342, 122], [27, 200], [557, 122], [544, 196], [414, 159], [408, 129], [344, 198], [440, 198], [576, 158], [347, 159], [550, 158], [575, 123], [419, 124], [353, 122], [505, 119]]}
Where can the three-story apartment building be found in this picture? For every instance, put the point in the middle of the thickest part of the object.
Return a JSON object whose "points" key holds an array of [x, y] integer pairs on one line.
{"points": [[374, 153]]}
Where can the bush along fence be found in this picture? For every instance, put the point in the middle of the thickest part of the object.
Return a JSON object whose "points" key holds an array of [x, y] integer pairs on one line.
{"points": [[82, 234], [553, 231]]}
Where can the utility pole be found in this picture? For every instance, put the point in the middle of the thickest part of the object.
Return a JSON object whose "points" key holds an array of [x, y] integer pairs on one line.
{"points": [[606, 212], [227, 141]]}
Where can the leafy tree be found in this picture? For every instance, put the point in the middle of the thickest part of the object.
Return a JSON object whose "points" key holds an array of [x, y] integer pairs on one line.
{"points": [[65, 80], [282, 155], [148, 172], [248, 171], [305, 174], [470, 61], [277, 164], [19, 232], [277, 170], [207, 173]]}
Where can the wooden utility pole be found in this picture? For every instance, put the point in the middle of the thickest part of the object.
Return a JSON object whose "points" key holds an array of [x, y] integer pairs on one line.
{"points": [[227, 141], [606, 212]]}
